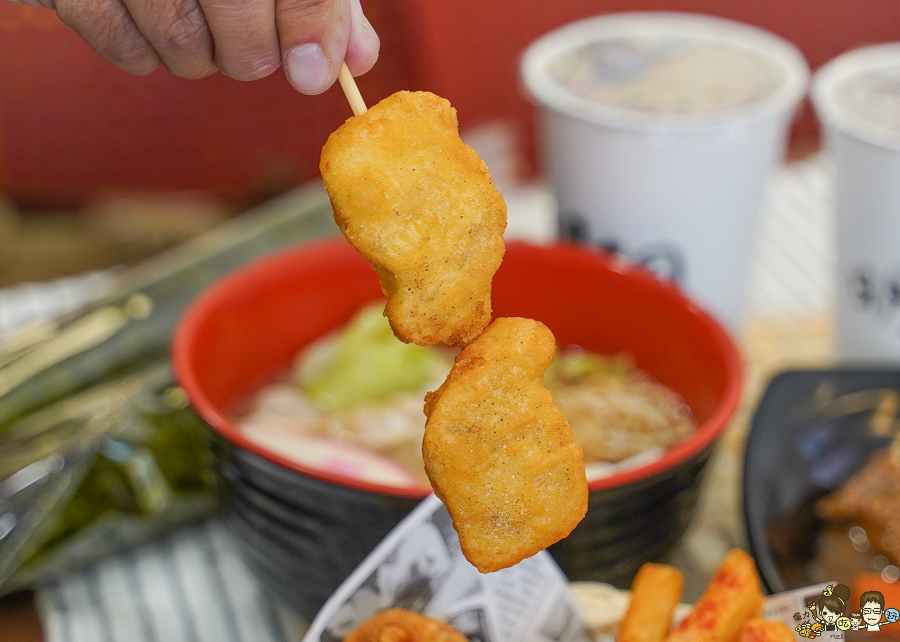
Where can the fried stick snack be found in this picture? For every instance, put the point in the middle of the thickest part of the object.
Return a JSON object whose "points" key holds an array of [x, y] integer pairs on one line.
{"points": [[655, 592], [419, 204], [498, 451], [766, 631], [731, 599], [398, 625]]}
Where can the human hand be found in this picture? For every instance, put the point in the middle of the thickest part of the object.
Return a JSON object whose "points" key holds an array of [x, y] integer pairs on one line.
{"points": [[244, 39]]}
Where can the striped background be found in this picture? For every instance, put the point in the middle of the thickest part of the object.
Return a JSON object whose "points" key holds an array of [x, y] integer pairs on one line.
{"points": [[190, 587]]}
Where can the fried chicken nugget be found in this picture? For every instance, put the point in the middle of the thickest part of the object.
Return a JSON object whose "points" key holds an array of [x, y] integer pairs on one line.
{"points": [[498, 450], [419, 204], [398, 625]]}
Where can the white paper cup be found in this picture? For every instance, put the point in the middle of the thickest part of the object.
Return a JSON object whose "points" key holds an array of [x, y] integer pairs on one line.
{"points": [[671, 174], [857, 97]]}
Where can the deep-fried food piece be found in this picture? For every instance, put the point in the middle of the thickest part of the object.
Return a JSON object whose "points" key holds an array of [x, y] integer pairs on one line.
{"points": [[398, 625], [655, 592], [730, 599], [869, 498], [498, 451], [766, 631], [419, 204]]}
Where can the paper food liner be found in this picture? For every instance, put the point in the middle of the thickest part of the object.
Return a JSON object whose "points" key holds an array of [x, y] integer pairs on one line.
{"points": [[420, 567]]}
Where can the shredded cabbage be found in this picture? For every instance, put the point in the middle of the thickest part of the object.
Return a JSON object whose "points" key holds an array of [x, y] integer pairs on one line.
{"points": [[366, 363]]}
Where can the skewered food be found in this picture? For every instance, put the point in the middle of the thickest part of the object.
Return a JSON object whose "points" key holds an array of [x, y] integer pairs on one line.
{"points": [[498, 450], [419, 204]]}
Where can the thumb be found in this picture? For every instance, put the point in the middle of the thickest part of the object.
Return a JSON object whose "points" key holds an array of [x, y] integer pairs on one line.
{"points": [[362, 49], [313, 36]]}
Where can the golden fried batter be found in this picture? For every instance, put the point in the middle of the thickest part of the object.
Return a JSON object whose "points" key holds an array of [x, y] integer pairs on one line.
{"points": [[759, 630], [731, 598], [419, 204], [397, 625], [498, 451]]}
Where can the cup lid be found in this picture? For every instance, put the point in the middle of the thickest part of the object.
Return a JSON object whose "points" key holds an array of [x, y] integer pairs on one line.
{"points": [[859, 92], [664, 70]]}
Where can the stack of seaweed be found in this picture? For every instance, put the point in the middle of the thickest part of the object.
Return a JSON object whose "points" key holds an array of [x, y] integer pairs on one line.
{"points": [[98, 447]]}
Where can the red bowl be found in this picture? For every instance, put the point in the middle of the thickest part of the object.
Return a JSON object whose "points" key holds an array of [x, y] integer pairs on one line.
{"points": [[245, 331]]}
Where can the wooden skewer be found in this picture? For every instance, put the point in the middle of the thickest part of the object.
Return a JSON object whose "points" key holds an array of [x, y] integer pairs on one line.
{"points": [[351, 91]]}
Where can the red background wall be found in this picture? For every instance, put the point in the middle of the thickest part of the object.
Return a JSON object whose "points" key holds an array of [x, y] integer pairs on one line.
{"points": [[72, 124]]}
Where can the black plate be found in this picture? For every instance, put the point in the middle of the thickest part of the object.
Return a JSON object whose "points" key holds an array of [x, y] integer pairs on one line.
{"points": [[812, 430]]}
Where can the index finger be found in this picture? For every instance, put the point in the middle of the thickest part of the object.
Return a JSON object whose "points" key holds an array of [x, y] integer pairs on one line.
{"points": [[108, 28], [244, 37]]}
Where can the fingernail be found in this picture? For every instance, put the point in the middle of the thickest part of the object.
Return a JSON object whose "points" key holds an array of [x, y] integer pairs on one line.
{"points": [[308, 68]]}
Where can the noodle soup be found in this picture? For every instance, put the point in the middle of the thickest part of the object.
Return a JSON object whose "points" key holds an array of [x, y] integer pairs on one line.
{"points": [[352, 405]]}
